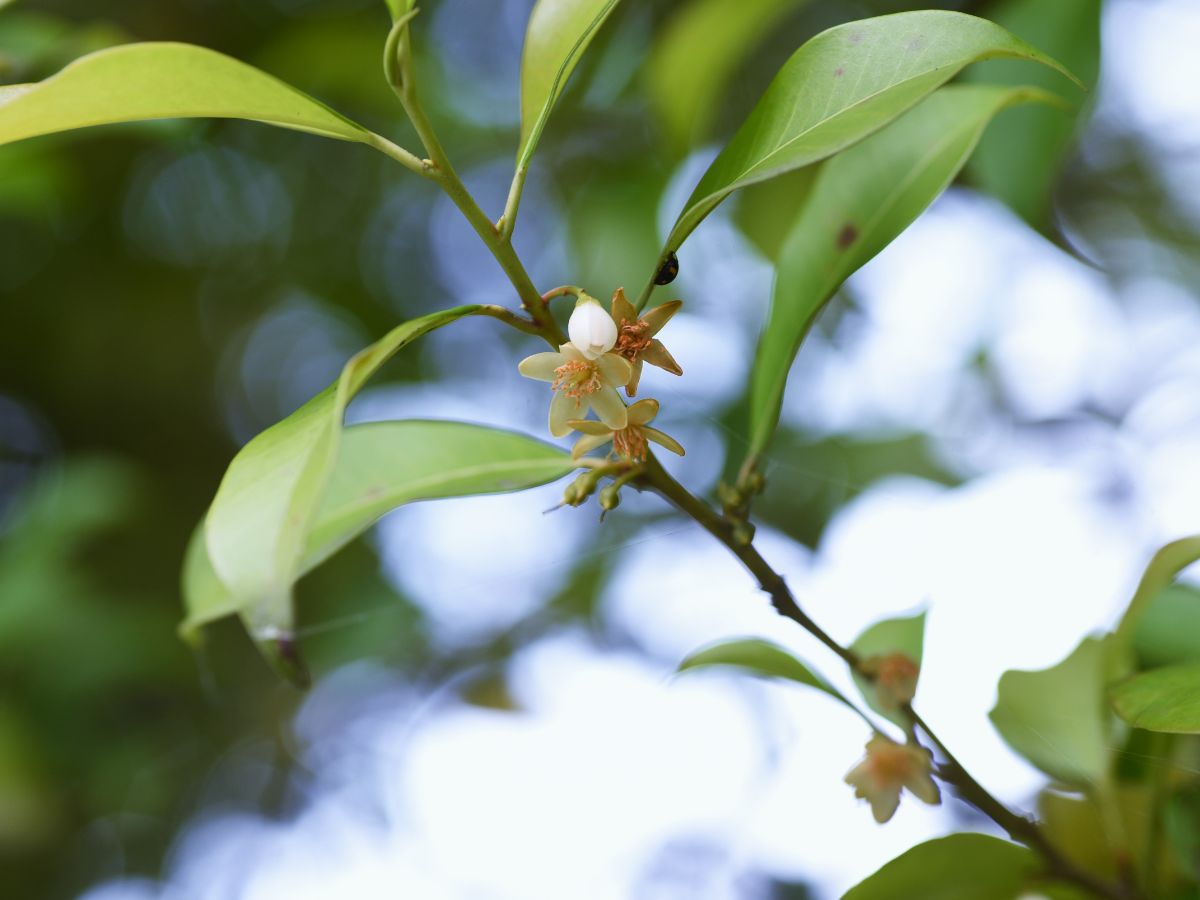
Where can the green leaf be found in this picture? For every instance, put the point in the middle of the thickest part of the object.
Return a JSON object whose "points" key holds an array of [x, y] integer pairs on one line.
{"points": [[1168, 562], [380, 466], [559, 32], [162, 81], [1168, 632], [841, 86], [383, 465], [399, 7], [1020, 162], [257, 526], [952, 868], [862, 200], [696, 55], [1057, 718], [902, 635], [1165, 699], [762, 658]]}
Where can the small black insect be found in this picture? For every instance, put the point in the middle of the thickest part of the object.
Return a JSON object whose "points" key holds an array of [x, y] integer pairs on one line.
{"points": [[670, 268]]}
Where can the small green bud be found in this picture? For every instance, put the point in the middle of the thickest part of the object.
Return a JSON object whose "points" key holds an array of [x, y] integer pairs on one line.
{"points": [[743, 533], [755, 483], [610, 498], [580, 489]]}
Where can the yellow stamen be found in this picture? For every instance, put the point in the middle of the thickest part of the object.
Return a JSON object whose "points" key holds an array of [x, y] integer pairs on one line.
{"points": [[630, 443], [577, 378]]}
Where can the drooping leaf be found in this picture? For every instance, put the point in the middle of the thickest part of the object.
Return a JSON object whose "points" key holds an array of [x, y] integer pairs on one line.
{"points": [[559, 32], [383, 465], [1168, 562], [1166, 699], [902, 635], [959, 866], [695, 56], [1020, 162], [862, 200], [762, 658], [841, 86], [380, 466], [1057, 718], [257, 526], [136, 82]]}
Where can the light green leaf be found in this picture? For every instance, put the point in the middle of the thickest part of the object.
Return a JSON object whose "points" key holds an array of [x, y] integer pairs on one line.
{"points": [[1168, 632], [902, 635], [380, 466], [559, 32], [1057, 718], [696, 55], [762, 658], [1168, 562], [257, 527], [162, 81], [863, 199], [959, 866], [1161, 700], [841, 86], [1020, 162], [383, 465]]}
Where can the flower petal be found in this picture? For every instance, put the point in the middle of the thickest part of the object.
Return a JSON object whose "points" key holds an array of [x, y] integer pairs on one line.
{"points": [[614, 370], [588, 426], [884, 803], [661, 315], [590, 442], [657, 355], [571, 353], [609, 407], [643, 411], [622, 310], [924, 788], [634, 377], [562, 409], [665, 440], [541, 365]]}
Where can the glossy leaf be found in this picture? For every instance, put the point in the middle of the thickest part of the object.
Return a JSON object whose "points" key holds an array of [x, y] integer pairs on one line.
{"points": [[1020, 162], [1057, 718], [902, 635], [257, 527], [559, 32], [841, 86], [759, 657], [380, 466], [1165, 699], [162, 81], [959, 866], [696, 55], [862, 200]]}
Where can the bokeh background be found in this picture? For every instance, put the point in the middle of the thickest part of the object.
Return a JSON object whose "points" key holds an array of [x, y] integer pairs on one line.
{"points": [[997, 421]]}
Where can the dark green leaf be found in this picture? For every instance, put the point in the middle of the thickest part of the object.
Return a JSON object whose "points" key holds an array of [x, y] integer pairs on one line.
{"points": [[861, 200], [1057, 718], [1166, 700], [841, 86], [1168, 632], [957, 867], [1020, 162]]}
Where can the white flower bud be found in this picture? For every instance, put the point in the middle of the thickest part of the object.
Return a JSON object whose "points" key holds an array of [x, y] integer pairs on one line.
{"points": [[591, 328]]}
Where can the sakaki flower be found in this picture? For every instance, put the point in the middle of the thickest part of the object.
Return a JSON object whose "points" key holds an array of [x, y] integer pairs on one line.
{"points": [[580, 384], [591, 329], [636, 339], [888, 769], [628, 442], [895, 676]]}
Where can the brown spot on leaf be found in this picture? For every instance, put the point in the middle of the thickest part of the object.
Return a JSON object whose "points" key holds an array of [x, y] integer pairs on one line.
{"points": [[856, 37], [839, 72], [847, 236], [917, 43]]}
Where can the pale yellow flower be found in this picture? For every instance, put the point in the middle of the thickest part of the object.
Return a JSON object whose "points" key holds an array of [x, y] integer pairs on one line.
{"points": [[628, 442], [580, 384], [895, 676], [889, 768], [636, 339]]}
